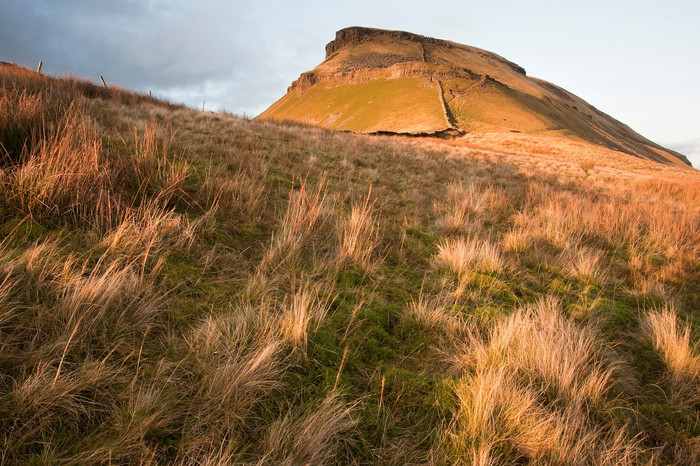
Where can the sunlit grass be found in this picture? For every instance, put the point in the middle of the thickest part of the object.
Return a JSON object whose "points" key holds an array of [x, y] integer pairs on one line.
{"points": [[179, 287]]}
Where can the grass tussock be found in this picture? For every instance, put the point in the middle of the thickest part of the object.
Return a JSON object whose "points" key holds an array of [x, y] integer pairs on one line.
{"points": [[538, 388], [300, 309], [358, 236], [468, 207], [672, 340], [23, 119], [582, 263], [184, 297], [462, 256], [304, 213], [433, 314], [239, 359], [312, 436]]}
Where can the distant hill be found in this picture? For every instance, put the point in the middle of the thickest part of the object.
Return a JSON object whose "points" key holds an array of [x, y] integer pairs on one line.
{"points": [[380, 81]]}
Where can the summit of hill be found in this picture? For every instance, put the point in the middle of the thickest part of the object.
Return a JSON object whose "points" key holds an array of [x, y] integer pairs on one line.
{"points": [[396, 82]]}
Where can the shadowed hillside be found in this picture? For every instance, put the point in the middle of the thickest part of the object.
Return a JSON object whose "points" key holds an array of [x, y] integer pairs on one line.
{"points": [[378, 81], [181, 287]]}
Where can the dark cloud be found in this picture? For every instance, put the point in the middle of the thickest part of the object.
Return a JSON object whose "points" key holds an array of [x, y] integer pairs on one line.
{"points": [[186, 50]]}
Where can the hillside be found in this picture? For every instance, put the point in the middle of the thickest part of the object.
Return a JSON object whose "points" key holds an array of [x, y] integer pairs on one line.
{"points": [[379, 81], [182, 287]]}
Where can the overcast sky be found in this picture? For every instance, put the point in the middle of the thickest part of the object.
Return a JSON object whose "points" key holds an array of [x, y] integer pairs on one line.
{"points": [[637, 60]]}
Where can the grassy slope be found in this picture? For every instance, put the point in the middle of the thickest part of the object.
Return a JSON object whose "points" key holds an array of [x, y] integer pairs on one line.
{"points": [[490, 109], [497, 95], [232, 291], [401, 105]]}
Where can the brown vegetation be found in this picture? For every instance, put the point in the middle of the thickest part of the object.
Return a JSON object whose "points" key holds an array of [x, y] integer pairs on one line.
{"points": [[250, 292]]}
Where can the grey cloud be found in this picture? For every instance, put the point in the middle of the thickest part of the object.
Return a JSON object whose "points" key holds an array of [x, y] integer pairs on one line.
{"points": [[241, 55], [168, 45]]}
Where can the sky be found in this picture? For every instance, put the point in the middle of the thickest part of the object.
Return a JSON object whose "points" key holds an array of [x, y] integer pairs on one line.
{"points": [[637, 60]]}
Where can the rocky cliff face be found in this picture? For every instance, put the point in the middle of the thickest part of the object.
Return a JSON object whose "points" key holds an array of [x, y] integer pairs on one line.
{"points": [[380, 81], [354, 36]]}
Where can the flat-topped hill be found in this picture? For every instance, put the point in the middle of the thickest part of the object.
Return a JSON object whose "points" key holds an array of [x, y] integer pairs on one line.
{"points": [[380, 81]]}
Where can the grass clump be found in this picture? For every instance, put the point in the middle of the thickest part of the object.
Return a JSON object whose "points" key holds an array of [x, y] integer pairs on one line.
{"points": [[359, 236], [532, 390], [672, 340], [462, 256]]}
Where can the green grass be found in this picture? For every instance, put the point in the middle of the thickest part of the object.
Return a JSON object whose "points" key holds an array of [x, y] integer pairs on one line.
{"points": [[399, 105]]}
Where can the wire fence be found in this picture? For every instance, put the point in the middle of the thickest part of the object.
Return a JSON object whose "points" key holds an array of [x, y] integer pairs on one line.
{"points": [[47, 67], [57, 69]]}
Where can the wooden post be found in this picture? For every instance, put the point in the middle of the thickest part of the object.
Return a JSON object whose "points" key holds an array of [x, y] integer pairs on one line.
{"points": [[149, 94], [203, 104], [103, 81], [38, 68]]}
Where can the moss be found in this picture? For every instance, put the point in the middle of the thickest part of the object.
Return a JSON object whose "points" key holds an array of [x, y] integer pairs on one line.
{"points": [[497, 289], [282, 182], [181, 270], [647, 363], [421, 237], [650, 301], [558, 287], [671, 419], [350, 278], [487, 315], [617, 315], [25, 230], [405, 406], [190, 297], [324, 348]]}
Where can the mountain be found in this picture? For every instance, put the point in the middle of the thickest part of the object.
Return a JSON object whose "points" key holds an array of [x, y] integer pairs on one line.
{"points": [[380, 81]]}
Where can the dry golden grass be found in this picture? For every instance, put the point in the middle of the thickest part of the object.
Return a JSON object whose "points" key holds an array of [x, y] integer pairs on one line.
{"points": [[582, 263], [433, 314], [534, 390], [64, 352], [305, 210], [515, 241], [238, 359], [462, 256], [242, 194], [672, 340], [359, 235], [467, 207], [21, 122], [184, 297], [300, 309], [312, 436]]}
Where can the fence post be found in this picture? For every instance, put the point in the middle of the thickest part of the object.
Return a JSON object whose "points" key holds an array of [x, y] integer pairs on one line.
{"points": [[203, 104], [103, 81], [38, 68]]}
